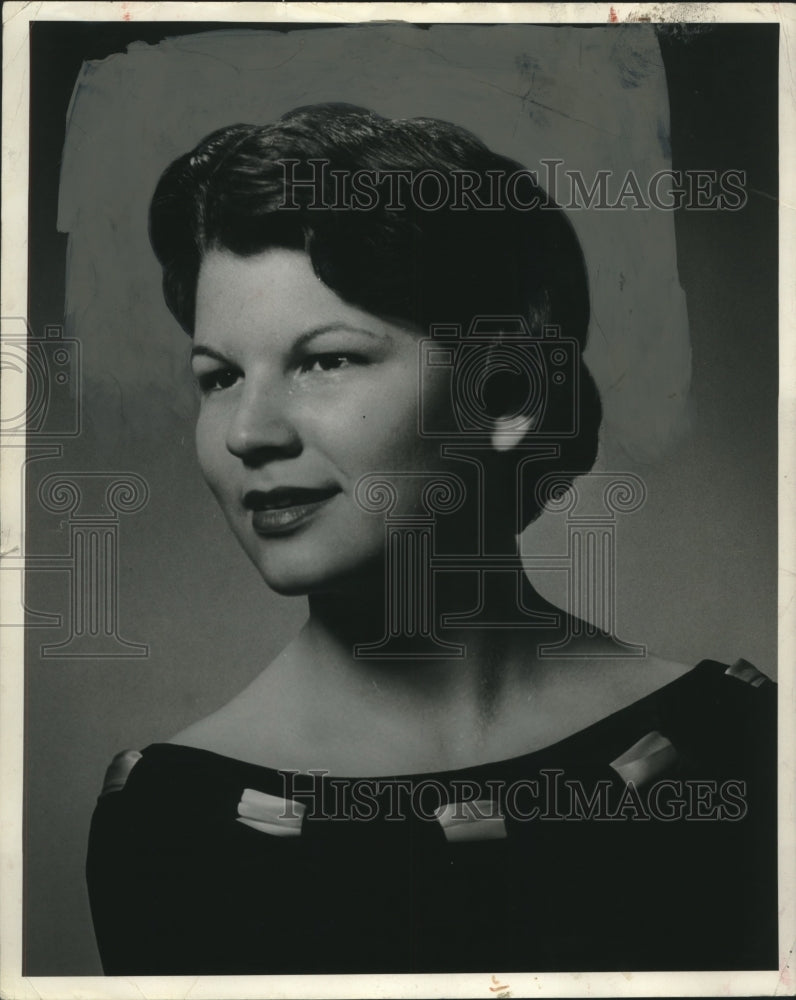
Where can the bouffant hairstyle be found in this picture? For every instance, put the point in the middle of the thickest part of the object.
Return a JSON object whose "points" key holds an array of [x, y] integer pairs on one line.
{"points": [[428, 254]]}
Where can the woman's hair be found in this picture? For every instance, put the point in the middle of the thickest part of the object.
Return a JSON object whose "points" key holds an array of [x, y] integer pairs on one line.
{"points": [[410, 219]]}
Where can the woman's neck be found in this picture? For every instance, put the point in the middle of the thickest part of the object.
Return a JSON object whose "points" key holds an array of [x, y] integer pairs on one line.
{"points": [[343, 647], [322, 704]]}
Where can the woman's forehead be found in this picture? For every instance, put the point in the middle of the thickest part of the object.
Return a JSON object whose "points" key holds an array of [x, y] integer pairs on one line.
{"points": [[274, 294]]}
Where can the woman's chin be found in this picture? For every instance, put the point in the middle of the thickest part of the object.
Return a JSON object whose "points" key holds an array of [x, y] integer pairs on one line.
{"points": [[292, 579]]}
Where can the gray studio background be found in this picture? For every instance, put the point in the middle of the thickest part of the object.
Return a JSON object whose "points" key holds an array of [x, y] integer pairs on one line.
{"points": [[690, 400]]}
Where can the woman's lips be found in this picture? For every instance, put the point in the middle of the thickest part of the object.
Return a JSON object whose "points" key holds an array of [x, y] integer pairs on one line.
{"points": [[280, 511]]}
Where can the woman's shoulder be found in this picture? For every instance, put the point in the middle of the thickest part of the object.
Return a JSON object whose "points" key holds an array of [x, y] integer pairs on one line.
{"points": [[228, 745], [209, 733], [612, 682], [252, 725], [714, 686], [235, 732], [714, 719], [179, 781], [709, 706], [699, 696], [726, 710]]}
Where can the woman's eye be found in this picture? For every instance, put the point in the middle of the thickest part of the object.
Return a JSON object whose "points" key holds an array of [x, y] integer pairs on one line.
{"points": [[326, 362], [219, 378]]}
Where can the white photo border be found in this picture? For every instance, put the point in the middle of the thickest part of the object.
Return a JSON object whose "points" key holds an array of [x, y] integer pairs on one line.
{"points": [[17, 19]]}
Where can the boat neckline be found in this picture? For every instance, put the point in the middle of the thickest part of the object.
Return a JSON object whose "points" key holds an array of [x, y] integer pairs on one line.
{"points": [[587, 731]]}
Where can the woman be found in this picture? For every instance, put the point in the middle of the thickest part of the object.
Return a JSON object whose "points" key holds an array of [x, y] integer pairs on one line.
{"points": [[442, 771]]}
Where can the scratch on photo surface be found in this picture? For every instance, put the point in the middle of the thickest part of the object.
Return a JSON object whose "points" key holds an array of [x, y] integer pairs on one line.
{"points": [[16, 13], [191, 988], [500, 990], [785, 982]]}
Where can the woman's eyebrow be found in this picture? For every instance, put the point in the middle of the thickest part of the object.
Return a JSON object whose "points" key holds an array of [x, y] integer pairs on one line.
{"points": [[200, 350], [316, 331]]}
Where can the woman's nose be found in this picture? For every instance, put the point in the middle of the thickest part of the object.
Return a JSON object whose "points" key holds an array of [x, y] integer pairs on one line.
{"points": [[260, 427]]}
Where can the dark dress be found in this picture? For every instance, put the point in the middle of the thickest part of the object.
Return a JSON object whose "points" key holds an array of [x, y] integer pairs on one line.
{"points": [[645, 842]]}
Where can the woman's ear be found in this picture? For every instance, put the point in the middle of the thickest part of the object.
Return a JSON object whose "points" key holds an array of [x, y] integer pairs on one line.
{"points": [[508, 432], [509, 397]]}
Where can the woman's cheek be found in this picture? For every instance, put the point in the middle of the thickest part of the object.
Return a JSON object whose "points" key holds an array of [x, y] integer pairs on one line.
{"points": [[211, 453]]}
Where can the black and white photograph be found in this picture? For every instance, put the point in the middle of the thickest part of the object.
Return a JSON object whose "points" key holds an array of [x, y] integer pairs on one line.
{"points": [[396, 468]]}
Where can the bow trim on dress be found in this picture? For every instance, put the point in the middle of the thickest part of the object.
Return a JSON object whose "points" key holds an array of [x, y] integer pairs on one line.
{"points": [[647, 759], [270, 813], [476, 820]]}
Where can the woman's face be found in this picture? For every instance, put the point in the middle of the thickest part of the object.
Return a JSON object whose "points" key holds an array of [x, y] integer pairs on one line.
{"points": [[301, 395]]}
